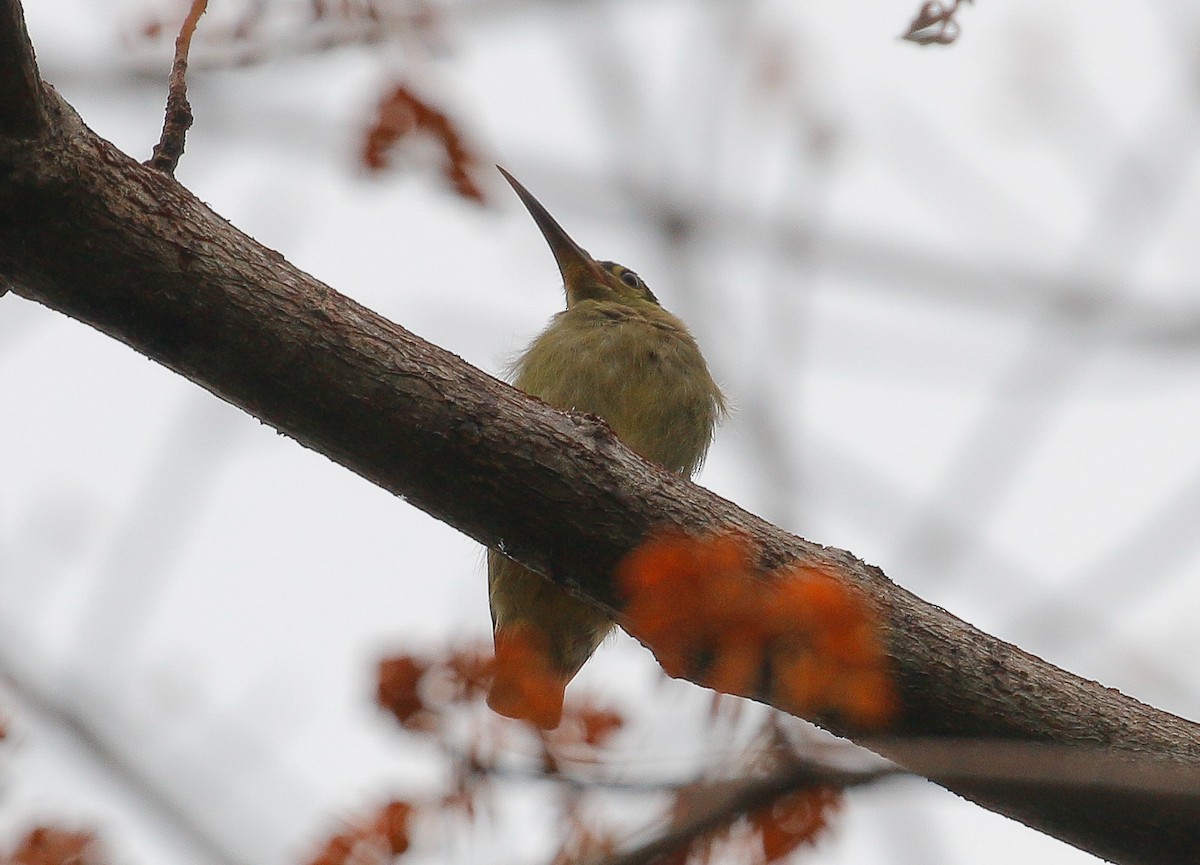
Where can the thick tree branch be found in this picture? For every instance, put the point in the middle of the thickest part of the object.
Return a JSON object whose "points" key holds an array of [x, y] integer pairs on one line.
{"points": [[88, 231]]}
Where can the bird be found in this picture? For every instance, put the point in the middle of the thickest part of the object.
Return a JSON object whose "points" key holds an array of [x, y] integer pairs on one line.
{"points": [[615, 352]]}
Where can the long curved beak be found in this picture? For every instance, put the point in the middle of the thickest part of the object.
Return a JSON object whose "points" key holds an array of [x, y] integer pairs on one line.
{"points": [[574, 262]]}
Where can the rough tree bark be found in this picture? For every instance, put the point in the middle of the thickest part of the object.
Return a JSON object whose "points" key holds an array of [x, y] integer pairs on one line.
{"points": [[86, 230]]}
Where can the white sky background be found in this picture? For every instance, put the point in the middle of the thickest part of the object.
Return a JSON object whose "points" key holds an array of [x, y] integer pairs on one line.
{"points": [[951, 292]]}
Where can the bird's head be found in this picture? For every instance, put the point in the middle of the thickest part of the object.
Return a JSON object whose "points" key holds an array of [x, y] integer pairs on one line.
{"points": [[584, 278]]}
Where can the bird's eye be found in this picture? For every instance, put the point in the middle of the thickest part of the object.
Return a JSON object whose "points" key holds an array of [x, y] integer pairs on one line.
{"points": [[630, 278]]}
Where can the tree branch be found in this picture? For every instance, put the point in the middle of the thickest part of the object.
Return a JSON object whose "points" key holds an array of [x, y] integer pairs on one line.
{"points": [[730, 800], [86, 230], [151, 800], [178, 118], [21, 113]]}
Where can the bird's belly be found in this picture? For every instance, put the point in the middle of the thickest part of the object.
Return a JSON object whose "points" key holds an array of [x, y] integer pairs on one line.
{"points": [[648, 383]]}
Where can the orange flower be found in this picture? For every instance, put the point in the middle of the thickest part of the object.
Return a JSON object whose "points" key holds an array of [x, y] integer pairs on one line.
{"points": [[399, 689], [700, 604], [367, 841], [686, 602], [391, 824], [598, 725], [46, 845], [794, 819], [470, 671], [337, 851]]}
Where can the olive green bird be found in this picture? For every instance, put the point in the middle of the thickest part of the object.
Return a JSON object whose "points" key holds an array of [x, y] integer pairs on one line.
{"points": [[614, 352]]}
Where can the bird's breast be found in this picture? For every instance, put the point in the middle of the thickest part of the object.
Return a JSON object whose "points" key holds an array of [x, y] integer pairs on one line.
{"points": [[643, 374]]}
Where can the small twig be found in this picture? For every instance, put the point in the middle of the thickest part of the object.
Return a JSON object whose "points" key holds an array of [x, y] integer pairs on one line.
{"points": [[21, 111], [826, 776], [935, 23], [152, 799], [736, 799], [179, 112]]}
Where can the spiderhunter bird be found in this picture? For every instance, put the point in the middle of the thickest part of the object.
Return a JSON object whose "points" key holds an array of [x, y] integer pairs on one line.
{"points": [[614, 352]]}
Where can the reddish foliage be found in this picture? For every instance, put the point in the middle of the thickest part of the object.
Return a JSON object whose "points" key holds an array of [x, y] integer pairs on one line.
{"points": [[832, 653], [686, 599], [523, 685], [795, 819], [379, 839], [399, 689], [403, 113], [337, 851], [46, 845], [815, 607], [696, 600], [470, 671], [391, 824], [788, 822], [599, 725]]}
